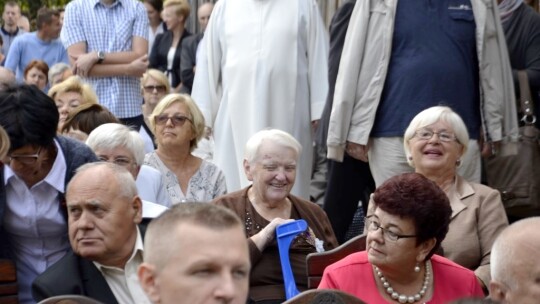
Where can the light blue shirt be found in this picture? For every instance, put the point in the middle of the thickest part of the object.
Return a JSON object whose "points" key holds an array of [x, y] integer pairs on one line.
{"points": [[109, 29], [35, 226], [28, 47]]}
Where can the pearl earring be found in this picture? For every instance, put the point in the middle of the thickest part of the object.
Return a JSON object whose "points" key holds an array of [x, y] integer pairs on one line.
{"points": [[417, 268]]}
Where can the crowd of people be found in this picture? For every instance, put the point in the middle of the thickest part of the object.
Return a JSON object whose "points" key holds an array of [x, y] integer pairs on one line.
{"points": [[145, 162]]}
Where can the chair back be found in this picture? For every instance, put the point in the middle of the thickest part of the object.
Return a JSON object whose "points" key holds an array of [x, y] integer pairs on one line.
{"points": [[324, 296], [8, 282], [317, 262]]}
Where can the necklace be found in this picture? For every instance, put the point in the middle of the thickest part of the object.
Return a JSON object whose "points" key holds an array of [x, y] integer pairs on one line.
{"points": [[401, 298]]}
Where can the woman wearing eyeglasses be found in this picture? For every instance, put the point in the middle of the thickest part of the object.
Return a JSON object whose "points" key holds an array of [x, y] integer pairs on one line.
{"points": [[154, 86], [435, 143], [39, 164], [178, 125], [409, 220]]}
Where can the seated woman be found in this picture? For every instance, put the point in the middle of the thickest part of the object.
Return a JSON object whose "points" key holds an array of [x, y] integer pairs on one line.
{"points": [[270, 162], [409, 220], [178, 125], [154, 86], [35, 73], [33, 216], [434, 142], [70, 94], [82, 120]]}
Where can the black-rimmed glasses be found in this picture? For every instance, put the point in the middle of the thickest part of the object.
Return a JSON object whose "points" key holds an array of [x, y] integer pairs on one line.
{"points": [[373, 225]]}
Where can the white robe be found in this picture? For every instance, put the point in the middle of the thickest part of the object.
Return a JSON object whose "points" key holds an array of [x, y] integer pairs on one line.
{"points": [[264, 65]]}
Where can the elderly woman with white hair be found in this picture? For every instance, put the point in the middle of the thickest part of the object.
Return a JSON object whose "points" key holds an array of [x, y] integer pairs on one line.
{"points": [[116, 143], [270, 162], [435, 143]]}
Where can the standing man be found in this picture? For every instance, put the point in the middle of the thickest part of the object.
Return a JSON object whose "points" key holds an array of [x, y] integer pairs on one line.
{"points": [[514, 263], [264, 65], [401, 57], [10, 29], [103, 213], [190, 46], [196, 253], [41, 45], [107, 44]]}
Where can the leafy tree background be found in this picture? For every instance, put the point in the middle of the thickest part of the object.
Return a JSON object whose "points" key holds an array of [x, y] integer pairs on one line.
{"points": [[30, 7]]}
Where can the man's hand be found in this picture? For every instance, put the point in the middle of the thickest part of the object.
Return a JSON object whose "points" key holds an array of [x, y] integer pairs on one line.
{"points": [[138, 66], [491, 148], [357, 151], [83, 63]]}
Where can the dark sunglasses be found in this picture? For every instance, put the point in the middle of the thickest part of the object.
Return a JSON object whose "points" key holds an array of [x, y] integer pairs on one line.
{"points": [[151, 88], [177, 120]]}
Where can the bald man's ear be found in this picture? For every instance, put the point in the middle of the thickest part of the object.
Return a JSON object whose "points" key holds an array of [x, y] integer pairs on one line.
{"points": [[147, 278], [497, 291], [137, 208]]}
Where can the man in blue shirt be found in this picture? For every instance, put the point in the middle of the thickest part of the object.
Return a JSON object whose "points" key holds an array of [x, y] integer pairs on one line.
{"points": [[40, 45], [107, 43]]}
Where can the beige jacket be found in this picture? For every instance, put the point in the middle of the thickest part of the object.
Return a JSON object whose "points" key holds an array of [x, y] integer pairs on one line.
{"points": [[364, 64]]}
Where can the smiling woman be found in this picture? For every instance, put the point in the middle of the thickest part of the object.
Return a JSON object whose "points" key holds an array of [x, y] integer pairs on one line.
{"points": [[178, 125], [435, 143], [270, 163]]}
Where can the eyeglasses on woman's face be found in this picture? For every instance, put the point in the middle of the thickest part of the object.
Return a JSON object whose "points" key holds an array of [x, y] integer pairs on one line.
{"points": [[427, 134], [25, 159], [372, 224], [120, 161], [176, 120], [155, 89]]}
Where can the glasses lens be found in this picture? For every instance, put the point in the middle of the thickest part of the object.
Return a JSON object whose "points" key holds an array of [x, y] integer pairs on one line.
{"points": [[162, 119], [26, 159], [179, 120]]}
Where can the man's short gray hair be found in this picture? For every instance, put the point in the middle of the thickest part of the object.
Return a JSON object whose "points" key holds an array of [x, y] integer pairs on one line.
{"points": [[126, 183]]}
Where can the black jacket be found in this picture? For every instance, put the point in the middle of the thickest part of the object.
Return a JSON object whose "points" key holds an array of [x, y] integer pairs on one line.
{"points": [[158, 56]]}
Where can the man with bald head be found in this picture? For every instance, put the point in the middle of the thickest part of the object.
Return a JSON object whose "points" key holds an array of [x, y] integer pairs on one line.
{"points": [[515, 270], [196, 253], [103, 213]]}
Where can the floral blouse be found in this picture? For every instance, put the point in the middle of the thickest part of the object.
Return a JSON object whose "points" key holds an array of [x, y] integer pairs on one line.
{"points": [[205, 185]]}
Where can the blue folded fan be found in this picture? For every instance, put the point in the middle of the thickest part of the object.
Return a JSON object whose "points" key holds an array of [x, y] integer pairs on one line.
{"points": [[285, 233]]}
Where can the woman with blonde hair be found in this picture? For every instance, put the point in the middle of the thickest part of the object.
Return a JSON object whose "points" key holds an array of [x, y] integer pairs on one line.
{"points": [[178, 125], [69, 94], [154, 86], [4, 144], [167, 48]]}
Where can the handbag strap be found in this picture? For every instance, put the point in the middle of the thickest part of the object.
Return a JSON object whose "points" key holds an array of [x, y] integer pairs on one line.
{"points": [[526, 102]]}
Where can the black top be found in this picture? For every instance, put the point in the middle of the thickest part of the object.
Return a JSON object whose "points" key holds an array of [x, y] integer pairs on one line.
{"points": [[160, 50], [522, 33]]}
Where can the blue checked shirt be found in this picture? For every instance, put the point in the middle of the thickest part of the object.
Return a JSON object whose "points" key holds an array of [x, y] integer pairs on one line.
{"points": [[108, 29]]}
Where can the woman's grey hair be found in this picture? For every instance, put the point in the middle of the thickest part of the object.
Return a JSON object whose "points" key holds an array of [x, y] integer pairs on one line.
{"points": [[276, 136], [57, 69], [112, 135], [430, 116]]}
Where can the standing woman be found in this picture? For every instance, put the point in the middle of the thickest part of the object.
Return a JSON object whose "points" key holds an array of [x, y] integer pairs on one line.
{"points": [[155, 24], [165, 54]]}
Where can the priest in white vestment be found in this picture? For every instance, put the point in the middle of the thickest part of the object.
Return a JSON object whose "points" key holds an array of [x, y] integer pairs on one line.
{"points": [[263, 65]]}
